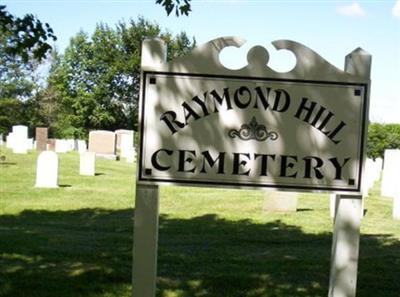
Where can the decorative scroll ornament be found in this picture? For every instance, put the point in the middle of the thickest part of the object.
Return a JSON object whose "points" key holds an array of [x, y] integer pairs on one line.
{"points": [[253, 130]]}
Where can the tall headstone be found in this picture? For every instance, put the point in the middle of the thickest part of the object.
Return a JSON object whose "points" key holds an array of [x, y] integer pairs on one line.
{"points": [[87, 163], [102, 143], [118, 134], [81, 146], [126, 146], [10, 140], [47, 170], [390, 186], [1, 138], [20, 138], [130, 158], [371, 174], [41, 138]]}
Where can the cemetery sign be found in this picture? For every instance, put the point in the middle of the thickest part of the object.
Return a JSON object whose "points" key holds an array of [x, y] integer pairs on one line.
{"points": [[204, 124]]}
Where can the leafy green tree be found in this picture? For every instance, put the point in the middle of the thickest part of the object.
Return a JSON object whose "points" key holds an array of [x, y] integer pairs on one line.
{"points": [[382, 137], [23, 45], [16, 87], [27, 37], [180, 7], [97, 79]]}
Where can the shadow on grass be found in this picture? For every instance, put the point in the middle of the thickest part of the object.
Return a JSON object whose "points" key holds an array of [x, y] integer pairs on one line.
{"points": [[88, 252], [7, 163]]}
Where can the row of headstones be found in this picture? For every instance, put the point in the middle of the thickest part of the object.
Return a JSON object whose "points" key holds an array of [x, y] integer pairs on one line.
{"points": [[47, 168], [103, 143], [390, 186], [18, 140]]}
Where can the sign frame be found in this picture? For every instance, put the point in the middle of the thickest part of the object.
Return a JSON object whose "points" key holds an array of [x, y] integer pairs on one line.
{"points": [[147, 179], [346, 233]]}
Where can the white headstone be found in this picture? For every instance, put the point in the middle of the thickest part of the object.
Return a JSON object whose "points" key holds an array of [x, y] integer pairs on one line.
{"points": [[29, 144], [62, 146], [87, 163], [70, 144], [1, 138], [10, 140], [20, 136], [47, 170], [126, 144], [130, 158], [371, 174], [81, 146], [390, 186], [379, 164]]}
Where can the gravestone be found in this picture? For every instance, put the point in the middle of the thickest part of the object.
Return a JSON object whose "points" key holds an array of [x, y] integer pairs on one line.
{"points": [[30, 144], [81, 146], [390, 186], [1, 138], [70, 144], [390, 176], [371, 175], [87, 163], [47, 170], [41, 138], [126, 145], [51, 144], [118, 134], [62, 146], [280, 201], [131, 155], [379, 165], [10, 140], [102, 143], [20, 138]]}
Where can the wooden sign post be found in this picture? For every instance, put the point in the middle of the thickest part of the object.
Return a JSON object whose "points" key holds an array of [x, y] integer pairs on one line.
{"points": [[202, 124]]}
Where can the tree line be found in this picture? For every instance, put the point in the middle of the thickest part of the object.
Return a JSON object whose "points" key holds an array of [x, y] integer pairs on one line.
{"points": [[94, 82]]}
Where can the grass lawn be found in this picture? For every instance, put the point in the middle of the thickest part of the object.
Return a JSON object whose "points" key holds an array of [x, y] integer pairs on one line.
{"points": [[76, 240]]}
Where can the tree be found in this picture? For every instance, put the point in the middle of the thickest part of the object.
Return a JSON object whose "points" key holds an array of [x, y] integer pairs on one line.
{"points": [[96, 81], [382, 137], [26, 37], [180, 7], [16, 86], [23, 44]]}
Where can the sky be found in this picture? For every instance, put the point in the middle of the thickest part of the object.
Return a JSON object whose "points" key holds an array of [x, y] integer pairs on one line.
{"points": [[331, 28]]}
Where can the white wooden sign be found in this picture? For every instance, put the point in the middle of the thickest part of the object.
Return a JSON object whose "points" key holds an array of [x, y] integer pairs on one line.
{"points": [[204, 124], [253, 127]]}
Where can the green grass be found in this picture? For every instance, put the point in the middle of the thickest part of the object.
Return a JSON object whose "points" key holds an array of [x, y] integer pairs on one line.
{"points": [[77, 240]]}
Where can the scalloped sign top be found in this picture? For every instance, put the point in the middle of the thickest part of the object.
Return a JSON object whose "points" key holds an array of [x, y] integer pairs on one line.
{"points": [[204, 124]]}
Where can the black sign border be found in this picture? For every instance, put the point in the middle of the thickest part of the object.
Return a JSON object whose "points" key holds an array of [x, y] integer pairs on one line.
{"points": [[150, 180]]}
